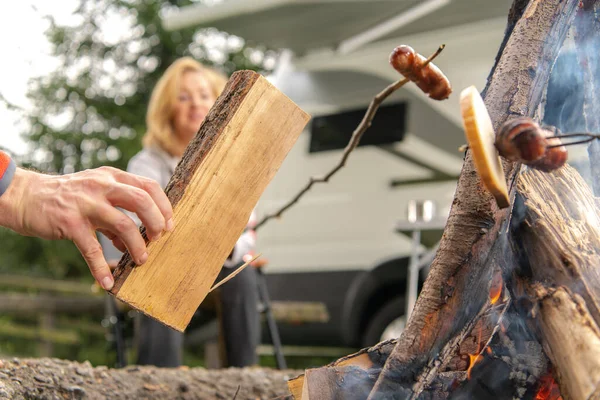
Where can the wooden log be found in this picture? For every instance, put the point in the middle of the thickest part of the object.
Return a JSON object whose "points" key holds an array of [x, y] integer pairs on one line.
{"points": [[555, 233], [44, 378], [47, 285], [24, 304], [361, 368], [237, 151], [571, 339], [457, 286]]}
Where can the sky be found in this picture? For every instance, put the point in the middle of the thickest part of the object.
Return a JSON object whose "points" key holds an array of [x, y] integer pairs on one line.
{"points": [[25, 55]]}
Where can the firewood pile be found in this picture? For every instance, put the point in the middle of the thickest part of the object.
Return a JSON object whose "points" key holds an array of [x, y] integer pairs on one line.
{"points": [[511, 307]]}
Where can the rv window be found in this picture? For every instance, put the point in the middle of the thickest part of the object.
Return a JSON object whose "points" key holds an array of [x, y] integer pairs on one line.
{"points": [[332, 132]]}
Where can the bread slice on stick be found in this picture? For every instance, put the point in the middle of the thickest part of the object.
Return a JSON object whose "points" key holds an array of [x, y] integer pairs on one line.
{"points": [[480, 135]]}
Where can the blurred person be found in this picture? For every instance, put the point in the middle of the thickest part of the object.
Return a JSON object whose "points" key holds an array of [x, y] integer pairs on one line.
{"points": [[74, 206], [178, 105]]}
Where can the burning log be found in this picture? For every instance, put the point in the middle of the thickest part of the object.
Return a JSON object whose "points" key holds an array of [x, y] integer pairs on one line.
{"points": [[457, 287], [358, 367], [558, 241], [511, 306]]}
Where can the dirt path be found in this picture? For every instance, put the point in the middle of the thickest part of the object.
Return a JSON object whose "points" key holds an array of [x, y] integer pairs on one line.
{"points": [[47, 378]]}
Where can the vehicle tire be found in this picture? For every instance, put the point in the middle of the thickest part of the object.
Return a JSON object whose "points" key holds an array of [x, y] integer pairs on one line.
{"points": [[391, 318]]}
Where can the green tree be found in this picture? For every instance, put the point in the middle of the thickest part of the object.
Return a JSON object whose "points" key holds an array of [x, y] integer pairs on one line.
{"points": [[91, 110]]}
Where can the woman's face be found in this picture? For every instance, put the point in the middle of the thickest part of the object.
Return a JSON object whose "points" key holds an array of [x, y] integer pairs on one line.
{"points": [[194, 100]]}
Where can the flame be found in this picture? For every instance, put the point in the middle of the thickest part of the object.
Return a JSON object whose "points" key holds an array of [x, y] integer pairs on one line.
{"points": [[548, 389], [496, 287], [473, 359]]}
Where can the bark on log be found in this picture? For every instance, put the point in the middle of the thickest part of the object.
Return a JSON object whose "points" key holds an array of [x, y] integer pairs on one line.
{"points": [[59, 379], [457, 286], [555, 235], [354, 374]]}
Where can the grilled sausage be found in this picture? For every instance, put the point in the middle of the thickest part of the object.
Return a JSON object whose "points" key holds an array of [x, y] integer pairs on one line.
{"points": [[523, 140], [430, 79]]}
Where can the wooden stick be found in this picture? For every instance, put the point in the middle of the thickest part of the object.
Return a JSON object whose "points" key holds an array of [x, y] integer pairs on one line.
{"points": [[234, 273], [364, 124]]}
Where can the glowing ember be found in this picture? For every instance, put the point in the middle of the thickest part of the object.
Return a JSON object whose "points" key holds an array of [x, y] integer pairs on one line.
{"points": [[496, 288], [548, 389]]}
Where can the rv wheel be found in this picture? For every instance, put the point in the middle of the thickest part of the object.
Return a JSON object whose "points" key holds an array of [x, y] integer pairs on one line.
{"points": [[387, 323]]}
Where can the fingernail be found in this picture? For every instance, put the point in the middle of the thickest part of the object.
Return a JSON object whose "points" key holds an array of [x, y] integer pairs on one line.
{"points": [[170, 225], [107, 282], [156, 237], [143, 258]]}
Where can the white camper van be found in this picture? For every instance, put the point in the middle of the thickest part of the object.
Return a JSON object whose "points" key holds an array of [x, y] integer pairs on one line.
{"points": [[348, 243]]}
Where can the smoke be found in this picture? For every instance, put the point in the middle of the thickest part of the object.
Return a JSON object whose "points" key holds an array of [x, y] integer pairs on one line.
{"points": [[572, 101]]}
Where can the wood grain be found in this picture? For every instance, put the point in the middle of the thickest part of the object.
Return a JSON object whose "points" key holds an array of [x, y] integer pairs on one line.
{"points": [[224, 171]]}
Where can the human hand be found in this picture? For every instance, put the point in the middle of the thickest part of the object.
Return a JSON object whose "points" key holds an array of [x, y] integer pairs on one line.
{"points": [[74, 206]]}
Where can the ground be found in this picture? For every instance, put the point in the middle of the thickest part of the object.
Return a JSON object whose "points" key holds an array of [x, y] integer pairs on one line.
{"points": [[47, 378]]}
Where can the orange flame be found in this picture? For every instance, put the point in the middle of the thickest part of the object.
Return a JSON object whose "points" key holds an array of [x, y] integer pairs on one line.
{"points": [[496, 287], [548, 389], [473, 359]]}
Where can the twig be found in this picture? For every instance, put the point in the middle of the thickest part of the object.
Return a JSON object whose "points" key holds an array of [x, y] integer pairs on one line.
{"points": [[236, 392], [234, 273], [496, 327], [354, 140]]}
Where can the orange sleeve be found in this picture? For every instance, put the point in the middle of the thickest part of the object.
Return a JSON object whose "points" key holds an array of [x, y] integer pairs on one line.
{"points": [[4, 163], [7, 171]]}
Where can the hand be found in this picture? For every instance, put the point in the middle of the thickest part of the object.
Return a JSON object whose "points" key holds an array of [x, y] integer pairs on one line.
{"points": [[74, 206]]}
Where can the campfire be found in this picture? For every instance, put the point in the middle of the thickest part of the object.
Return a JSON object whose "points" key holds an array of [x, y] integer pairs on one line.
{"points": [[511, 307]]}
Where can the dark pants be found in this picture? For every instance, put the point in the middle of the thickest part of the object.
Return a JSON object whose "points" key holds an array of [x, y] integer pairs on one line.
{"points": [[162, 346]]}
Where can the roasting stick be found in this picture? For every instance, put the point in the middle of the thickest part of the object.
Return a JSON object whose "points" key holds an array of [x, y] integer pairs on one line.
{"points": [[366, 123]]}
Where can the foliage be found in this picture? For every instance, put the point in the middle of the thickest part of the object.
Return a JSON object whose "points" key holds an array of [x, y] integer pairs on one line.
{"points": [[91, 110]]}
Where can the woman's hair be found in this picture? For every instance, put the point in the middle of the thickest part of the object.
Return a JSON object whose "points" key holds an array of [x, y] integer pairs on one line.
{"points": [[159, 117]]}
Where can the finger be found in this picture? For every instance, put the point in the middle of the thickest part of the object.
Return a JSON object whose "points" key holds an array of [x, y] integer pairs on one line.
{"points": [[110, 219], [154, 190], [90, 249], [139, 201], [114, 239]]}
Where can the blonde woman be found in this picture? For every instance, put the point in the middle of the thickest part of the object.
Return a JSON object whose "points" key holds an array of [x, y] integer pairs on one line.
{"points": [[179, 103]]}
